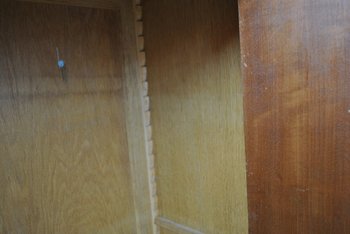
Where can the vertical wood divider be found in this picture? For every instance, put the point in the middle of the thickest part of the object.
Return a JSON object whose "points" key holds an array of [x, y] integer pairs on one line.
{"points": [[142, 163]]}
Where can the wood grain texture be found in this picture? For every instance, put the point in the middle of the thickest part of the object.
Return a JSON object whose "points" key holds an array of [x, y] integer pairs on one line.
{"points": [[166, 231], [172, 226], [134, 76], [142, 77], [64, 165], [103, 4], [297, 100], [193, 61]]}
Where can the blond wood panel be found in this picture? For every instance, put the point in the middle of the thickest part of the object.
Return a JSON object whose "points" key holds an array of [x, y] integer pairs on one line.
{"points": [[193, 61], [166, 231], [64, 164]]}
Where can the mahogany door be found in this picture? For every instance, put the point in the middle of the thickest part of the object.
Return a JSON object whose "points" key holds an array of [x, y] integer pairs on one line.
{"points": [[295, 60]]}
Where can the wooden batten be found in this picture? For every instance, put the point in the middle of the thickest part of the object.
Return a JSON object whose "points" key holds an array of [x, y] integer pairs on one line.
{"points": [[142, 160], [142, 69], [172, 226]]}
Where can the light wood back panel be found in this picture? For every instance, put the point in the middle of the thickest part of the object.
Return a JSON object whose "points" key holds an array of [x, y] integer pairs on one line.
{"points": [[297, 108], [64, 164], [193, 61]]}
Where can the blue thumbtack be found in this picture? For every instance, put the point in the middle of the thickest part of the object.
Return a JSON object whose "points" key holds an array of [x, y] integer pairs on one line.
{"points": [[60, 64]]}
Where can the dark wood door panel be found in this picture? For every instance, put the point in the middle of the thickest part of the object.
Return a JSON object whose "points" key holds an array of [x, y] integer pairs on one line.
{"points": [[295, 59]]}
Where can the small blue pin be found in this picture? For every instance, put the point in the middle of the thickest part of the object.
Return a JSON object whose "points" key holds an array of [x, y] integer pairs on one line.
{"points": [[60, 63]]}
